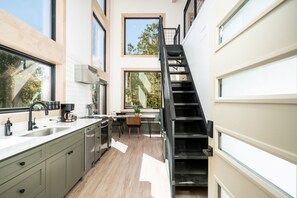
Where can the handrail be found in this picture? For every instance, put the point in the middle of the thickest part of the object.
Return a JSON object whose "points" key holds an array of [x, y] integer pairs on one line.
{"points": [[176, 38], [166, 83]]}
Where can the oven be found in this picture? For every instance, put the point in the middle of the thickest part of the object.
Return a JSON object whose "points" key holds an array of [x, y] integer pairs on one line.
{"points": [[104, 134]]}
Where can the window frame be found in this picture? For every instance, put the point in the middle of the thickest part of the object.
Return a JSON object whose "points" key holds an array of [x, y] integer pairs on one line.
{"points": [[103, 83], [52, 23], [251, 173], [124, 89], [257, 71], [100, 24], [53, 78], [137, 16], [272, 99], [231, 13], [103, 9]]}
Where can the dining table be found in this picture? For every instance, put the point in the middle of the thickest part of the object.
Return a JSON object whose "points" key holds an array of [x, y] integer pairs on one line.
{"points": [[145, 118]]}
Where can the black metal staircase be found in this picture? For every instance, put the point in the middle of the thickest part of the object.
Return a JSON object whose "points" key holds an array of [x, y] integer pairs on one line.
{"points": [[184, 119]]}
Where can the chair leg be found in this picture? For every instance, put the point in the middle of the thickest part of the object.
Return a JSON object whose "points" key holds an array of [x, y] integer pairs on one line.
{"points": [[119, 131], [122, 129], [129, 131], [138, 130]]}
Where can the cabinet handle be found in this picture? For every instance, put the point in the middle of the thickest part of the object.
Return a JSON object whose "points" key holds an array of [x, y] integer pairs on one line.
{"points": [[22, 163], [98, 137], [70, 152], [22, 190]]}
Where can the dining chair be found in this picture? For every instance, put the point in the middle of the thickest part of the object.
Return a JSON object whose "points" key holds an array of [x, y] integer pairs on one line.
{"points": [[134, 122], [119, 122]]}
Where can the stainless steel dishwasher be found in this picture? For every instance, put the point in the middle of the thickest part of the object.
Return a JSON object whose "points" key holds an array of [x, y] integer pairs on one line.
{"points": [[89, 147]]}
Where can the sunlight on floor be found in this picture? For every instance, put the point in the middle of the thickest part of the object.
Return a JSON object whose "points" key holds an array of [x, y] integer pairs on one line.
{"points": [[153, 135], [154, 171], [119, 146]]}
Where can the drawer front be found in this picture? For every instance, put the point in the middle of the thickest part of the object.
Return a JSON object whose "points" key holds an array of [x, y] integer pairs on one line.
{"points": [[62, 143], [17, 164], [27, 185]]}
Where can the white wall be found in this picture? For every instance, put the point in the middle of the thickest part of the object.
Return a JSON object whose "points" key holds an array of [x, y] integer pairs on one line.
{"points": [[196, 46], [174, 16], [78, 51]]}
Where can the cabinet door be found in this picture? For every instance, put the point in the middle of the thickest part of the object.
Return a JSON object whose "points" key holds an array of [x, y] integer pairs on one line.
{"points": [[75, 163], [56, 170]]}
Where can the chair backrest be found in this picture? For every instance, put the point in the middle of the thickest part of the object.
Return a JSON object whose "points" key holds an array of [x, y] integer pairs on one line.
{"points": [[133, 121], [121, 119]]}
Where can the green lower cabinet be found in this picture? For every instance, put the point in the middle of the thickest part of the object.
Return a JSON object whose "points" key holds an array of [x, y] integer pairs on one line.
{"points": [[64, 169], [56, 173], [75, 164], [29, 184]]}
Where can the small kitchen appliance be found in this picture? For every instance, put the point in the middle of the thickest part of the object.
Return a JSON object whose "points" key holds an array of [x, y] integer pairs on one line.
{"points": [[66, 113]]}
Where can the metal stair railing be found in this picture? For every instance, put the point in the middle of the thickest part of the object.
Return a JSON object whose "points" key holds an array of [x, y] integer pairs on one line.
{"points": [[169, 110]]}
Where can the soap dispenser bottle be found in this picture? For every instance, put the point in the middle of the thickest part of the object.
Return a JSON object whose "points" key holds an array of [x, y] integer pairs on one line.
{"points": [[8, 128]]}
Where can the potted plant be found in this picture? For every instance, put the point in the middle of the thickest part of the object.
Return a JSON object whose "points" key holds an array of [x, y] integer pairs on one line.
{"points": [[137, 111]]}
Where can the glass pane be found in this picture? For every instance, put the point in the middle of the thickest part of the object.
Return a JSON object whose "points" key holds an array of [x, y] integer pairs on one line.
{"points": [[23, 81], [275, 170], [95, 98], [142, 89], [98, 45], [102, 100], [263, 80], [141, 36], [222, 193], [243, 16], [36, 13], [102, 5]]}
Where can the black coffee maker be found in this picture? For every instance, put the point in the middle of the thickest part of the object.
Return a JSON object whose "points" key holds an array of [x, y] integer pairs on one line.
{"points": [[66, 112]]}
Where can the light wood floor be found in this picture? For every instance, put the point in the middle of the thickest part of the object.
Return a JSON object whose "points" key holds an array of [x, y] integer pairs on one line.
{"points": [[130, 168]]}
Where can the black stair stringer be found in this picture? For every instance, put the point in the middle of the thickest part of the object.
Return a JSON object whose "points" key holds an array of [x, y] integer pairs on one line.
{"points": [[190, 165]]}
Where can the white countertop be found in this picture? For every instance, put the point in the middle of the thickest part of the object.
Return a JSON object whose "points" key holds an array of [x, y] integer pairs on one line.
{"points": [[12, 145]]}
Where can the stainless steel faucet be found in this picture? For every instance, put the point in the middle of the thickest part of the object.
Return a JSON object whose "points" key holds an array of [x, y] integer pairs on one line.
{"points": [[30, 123]]}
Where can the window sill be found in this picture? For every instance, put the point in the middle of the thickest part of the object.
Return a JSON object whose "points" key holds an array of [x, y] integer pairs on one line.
{"points": [[270, 99], [139, 56]]}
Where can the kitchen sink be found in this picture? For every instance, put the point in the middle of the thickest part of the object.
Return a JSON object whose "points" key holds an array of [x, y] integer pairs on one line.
{"points": [[45, 132]]}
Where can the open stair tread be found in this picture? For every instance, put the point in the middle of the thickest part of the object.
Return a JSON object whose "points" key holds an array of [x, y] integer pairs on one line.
{"points": [[177, 64], [175, 57], [190, 155], [190, 135], [189, 118], [178, 72], [177, 92], [191, 180], [186, 104], [181, 81], [191, 171]]}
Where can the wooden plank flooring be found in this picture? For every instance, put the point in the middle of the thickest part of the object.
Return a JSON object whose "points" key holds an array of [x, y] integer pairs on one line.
{"points": [[130, 168]]}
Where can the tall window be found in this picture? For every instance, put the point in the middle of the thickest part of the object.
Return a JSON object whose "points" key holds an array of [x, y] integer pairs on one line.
{"points": [[23, 81], [141, 36], [102, 4], [98, 45], [39, 14], [142, 89]]}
